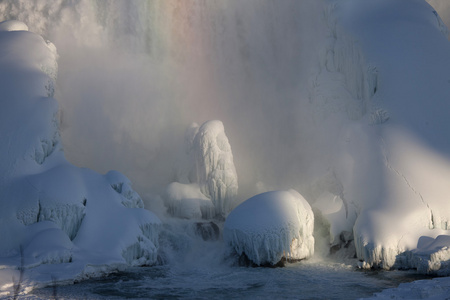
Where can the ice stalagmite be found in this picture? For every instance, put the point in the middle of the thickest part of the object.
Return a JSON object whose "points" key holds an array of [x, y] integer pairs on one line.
{"points": [[210, 172]]}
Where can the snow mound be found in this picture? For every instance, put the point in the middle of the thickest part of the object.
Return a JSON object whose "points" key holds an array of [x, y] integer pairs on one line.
{"points": [[51, 211], [209, 172], [13, 25], [271, 226]]}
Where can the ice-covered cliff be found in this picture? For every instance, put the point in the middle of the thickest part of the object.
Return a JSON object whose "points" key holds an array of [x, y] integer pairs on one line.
{"points": [[52, 212], [384, 84]]}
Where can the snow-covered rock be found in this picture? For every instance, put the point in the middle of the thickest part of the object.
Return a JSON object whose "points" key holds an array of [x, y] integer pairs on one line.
{"points": [[52, 212], [271, 226]]}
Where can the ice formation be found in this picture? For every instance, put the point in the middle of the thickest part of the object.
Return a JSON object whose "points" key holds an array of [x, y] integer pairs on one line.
{"points": [[271, 226], [51, 211], [391, 151], [210, 172], [432, 256]]}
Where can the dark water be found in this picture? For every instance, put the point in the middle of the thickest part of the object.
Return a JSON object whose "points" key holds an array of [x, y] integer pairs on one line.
{"points": [[304, 280]]}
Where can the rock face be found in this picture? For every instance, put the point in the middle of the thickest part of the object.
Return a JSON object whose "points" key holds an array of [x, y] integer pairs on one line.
{"points": [[211, 175], [209, 231], [51, 211], [270, 227]]}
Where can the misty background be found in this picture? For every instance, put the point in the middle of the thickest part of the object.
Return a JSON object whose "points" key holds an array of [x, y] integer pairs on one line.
{"points": [[133, 75]]}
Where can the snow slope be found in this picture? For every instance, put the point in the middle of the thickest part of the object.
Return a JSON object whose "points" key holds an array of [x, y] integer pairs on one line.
{"points": [[52, 212], [384, 82], [271, 226]]}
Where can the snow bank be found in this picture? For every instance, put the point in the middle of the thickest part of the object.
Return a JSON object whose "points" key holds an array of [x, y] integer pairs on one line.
{"points": [[383, 93], [435, 289], [271, 226], [209, 169], [52, 212]]}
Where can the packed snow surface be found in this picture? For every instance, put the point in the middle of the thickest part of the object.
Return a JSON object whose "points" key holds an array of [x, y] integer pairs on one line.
{"points": [[271, 226], [52, 212]]}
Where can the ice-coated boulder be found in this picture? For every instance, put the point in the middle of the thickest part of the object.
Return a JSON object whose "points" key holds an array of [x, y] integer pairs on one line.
{"points": [[271, 226], [51, 211], [209, 171]]}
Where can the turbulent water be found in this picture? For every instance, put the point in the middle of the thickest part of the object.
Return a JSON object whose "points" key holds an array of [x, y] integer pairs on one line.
{"points": [[304, 280], [197, 269]]}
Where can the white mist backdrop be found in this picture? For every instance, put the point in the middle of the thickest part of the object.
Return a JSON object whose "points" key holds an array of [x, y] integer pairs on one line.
{"points": [[134, 74]]}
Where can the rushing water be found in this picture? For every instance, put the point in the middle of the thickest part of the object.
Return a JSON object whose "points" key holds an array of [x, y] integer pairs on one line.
{"points": [[303, 280]]}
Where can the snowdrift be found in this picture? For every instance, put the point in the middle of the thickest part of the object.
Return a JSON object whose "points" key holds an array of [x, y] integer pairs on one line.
{"points": [[383, 86], [271, 226], [52, 212]]}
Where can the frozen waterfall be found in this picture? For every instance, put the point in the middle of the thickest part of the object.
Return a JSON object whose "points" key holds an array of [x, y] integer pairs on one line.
{"points": [[315, 96]]}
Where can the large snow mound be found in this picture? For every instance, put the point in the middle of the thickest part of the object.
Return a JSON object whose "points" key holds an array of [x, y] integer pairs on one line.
{"points": [[52, 212], [384, 93], [271, 226]]}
